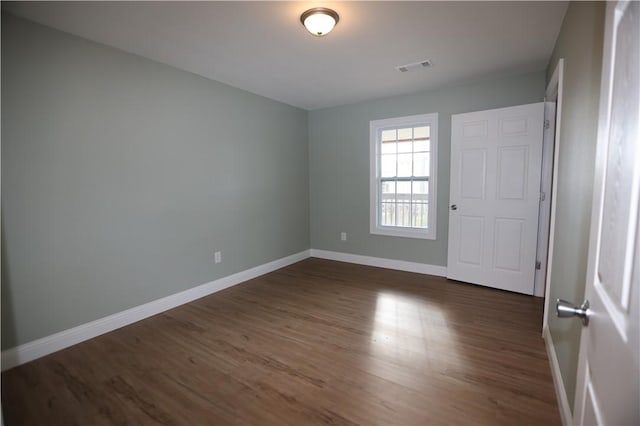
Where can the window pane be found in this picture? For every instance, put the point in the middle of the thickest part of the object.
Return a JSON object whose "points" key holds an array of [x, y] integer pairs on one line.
{"points": [[420, 190], [388, 191], [404, 214], [421, 145], [403, 198], [404, 191], [388, 135], [419, 214], [421, 139], [388, 214], [421, 132], [405, 134], [388, 165], [404, 165], [421, 164], [405, 146], [388, 148]]}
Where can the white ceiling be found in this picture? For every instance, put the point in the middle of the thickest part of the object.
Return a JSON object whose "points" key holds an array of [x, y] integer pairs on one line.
{"points": [[261, 47]]}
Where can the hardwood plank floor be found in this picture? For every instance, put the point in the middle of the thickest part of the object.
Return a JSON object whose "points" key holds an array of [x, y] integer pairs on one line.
{"points": [[318, 342]]}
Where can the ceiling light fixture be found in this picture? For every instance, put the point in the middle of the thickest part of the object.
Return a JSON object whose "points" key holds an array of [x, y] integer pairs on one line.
{"points": [[415, 66], [319, 21]]}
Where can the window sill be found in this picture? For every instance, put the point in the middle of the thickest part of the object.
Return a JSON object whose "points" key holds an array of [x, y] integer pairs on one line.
{"points": [[404, 232]]}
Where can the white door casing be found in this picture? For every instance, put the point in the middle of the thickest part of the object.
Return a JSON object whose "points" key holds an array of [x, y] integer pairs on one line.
{"points": [[554, 92], [608, 384], [495, 182], [544, 209]]}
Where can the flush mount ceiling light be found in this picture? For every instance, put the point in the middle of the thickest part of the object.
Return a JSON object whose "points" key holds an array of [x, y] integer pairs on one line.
{"points": [[319, 21]]}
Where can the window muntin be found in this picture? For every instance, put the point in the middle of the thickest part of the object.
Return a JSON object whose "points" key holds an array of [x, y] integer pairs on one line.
{"points": [[403, 154]]}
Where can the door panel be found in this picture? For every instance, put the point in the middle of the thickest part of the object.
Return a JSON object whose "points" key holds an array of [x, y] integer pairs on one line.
{"points": [[508, 243], [475, 129], [515, 126], [473, 172], [512, 173], [471, 240], [495, 179]]}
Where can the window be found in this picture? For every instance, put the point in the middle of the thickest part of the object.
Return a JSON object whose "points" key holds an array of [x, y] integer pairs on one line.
{"points": [[403, 176]]}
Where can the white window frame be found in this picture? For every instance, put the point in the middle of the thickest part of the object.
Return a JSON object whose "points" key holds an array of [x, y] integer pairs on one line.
{"points": [[375, 130]]}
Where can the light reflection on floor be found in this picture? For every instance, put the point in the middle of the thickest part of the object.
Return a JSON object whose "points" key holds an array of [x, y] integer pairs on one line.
{"points": [[406, 329]]}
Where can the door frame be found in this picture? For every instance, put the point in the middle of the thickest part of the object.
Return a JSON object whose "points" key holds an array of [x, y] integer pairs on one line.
{"points": [[553, 93], [544, 207]]}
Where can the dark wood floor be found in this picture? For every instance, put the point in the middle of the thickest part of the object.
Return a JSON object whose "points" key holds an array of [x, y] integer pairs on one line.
{"points": [[318, 342]]}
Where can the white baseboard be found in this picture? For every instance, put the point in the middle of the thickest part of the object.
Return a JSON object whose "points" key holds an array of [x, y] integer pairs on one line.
{"points": [[561, 393], [55, 342], [420, 268]]}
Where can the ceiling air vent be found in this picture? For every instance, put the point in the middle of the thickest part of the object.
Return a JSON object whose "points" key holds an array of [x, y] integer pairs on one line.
{"points": [[414, 66]]}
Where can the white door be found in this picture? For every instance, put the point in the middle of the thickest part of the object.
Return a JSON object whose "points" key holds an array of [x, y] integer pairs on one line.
{"points": [[608, 388], [494, 196]]}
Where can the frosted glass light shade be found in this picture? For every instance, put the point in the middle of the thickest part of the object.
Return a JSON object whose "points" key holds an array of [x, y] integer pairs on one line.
{"points": [[319, 21]]}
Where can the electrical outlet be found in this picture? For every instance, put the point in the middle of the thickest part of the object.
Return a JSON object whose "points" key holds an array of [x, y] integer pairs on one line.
{"points": [[343, 236], [217, 257]]}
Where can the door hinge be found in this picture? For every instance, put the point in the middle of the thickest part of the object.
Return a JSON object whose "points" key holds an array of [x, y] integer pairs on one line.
{"points": [[546, 125], [538, 264], [543, 196]]}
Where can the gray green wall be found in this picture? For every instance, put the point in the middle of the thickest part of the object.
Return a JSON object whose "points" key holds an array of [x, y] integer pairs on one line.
{"points": [[339, 163], [580, 44], [122, 176]]}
